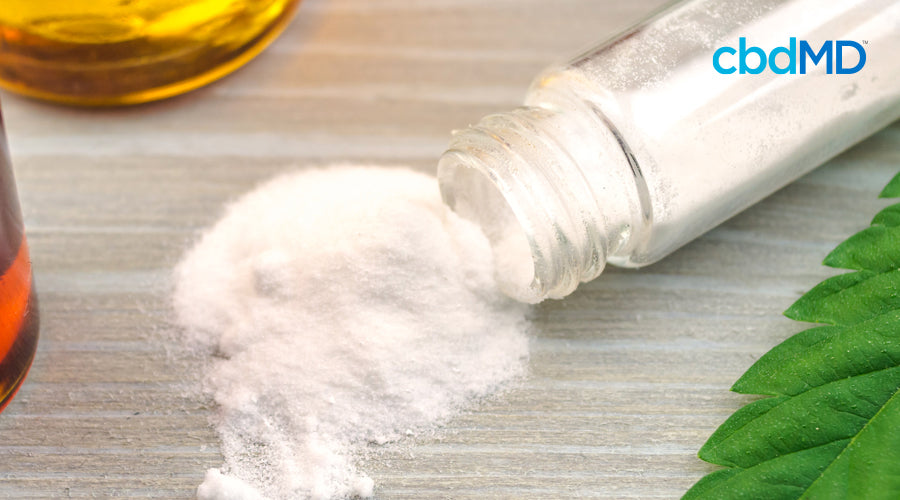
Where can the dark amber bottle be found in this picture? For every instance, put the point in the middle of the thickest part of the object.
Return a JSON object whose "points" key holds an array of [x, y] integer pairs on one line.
{"points": [[18, 303]]}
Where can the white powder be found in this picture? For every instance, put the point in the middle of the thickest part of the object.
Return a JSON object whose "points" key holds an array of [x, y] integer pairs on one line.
{"points": [[340, 309]]}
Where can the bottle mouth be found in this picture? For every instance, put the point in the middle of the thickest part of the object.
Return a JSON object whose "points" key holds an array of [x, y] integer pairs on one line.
{"points": [[474, 194], [519, 175]]}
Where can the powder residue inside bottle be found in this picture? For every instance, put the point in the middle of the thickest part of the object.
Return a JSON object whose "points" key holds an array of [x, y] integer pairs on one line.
{"points": [[336, 310]]}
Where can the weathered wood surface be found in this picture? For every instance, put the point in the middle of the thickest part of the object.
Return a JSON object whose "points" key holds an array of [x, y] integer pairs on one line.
{"points": [[628, 376]]}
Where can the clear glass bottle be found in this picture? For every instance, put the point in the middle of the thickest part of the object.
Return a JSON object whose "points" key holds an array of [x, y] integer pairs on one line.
{"points": [[636, 147]]}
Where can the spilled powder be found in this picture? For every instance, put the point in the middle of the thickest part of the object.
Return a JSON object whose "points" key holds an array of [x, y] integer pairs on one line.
{"points": [[337, 310]]}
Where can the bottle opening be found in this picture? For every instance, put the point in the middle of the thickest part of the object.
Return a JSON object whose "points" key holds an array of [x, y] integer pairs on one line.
{"points": [[473, 194]]}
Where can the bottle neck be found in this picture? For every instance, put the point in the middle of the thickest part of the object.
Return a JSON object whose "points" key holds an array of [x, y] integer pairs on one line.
{"points": [[553, 192]]}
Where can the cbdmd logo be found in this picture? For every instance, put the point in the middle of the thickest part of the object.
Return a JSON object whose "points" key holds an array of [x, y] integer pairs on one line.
{"points": [[754, 60]]}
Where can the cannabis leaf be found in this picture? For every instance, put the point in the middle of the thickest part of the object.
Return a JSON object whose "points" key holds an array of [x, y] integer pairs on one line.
{"points": [[830, 426]]}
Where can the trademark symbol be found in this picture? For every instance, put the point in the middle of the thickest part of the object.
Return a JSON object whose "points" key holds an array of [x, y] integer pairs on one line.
{"points": [[865, 42]]}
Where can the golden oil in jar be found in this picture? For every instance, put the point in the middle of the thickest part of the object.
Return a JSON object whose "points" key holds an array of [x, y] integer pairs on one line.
{"points": [[112, 52]]}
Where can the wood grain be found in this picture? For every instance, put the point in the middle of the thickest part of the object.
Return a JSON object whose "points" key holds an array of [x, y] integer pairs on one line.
{"points": [[627, 377]]}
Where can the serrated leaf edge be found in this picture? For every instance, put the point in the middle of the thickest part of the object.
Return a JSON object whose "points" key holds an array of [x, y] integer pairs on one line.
{"points": [[852, 440], [892, 189]]}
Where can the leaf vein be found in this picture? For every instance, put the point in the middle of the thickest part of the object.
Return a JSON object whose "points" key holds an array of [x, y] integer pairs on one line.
{"points": [[825, 421]]}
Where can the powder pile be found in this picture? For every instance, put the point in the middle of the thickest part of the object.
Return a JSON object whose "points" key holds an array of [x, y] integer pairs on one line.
{"points": [[339, 309]]}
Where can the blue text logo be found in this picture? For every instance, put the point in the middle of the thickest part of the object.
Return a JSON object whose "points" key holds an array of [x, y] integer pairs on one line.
{"points": [[831, 54]]}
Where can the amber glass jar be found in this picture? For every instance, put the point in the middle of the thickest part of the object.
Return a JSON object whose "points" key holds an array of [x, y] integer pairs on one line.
{"points": [[18, 303], [113, 52]]}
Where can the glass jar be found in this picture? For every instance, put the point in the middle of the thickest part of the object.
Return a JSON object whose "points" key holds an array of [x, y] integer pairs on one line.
{"points": [[632, 149], [18, 302], [112, 52]]}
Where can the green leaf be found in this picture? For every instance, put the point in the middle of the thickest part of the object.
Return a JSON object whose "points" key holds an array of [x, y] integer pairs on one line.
{"points": [[830, 426], [892, 190], [785, 477], [847, 299], [867, 467], [823, 355], [876, 248], [827, 413], [890, 216]]}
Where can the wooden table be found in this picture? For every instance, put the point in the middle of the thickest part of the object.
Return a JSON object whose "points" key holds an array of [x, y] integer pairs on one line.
{"points": [[628, 376]]}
